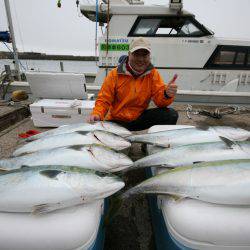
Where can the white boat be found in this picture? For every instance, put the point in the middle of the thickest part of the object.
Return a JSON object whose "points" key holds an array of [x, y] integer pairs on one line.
{"points": [[210, 70]]}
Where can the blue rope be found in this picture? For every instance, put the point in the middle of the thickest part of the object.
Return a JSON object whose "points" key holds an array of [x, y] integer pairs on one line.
{"points": [[13, 55]]}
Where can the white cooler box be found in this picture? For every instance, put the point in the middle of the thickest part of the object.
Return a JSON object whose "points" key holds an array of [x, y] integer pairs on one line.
{"points": [[55, 85], [76, 228], [191, 224], [58, 112]]}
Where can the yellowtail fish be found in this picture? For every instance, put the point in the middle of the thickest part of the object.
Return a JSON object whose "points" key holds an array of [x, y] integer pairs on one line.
{"points": [[221, 182], [43, 189]]}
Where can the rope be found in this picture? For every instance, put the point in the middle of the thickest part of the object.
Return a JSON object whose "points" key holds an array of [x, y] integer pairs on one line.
{"points": [[13, 55], [18, 26], [20, 35], [218, 113], [107, 42], [96, 25]]}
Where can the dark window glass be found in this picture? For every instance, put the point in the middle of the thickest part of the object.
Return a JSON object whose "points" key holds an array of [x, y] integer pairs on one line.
{"points": [[147, 26], [240, 58], [248, 58], [224, 57], [230, 57], [168, 26], [189, 28]]}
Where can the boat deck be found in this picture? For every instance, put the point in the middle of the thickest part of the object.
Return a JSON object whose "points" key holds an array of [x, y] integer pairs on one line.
{"points": [[131, 228]]}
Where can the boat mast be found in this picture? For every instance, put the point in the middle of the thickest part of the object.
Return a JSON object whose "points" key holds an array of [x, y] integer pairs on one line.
{"points": [[11, 29]]}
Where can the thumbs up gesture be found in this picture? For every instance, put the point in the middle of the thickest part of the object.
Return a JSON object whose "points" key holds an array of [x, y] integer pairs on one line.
{"points": [[172, 87]]}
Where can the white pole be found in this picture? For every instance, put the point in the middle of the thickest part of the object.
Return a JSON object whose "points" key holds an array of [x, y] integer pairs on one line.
{"points": [[7, 7]]}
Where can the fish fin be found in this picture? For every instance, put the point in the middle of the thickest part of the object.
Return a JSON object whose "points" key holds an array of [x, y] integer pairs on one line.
{"points": [[202, 127], [160, 145], [23, 154], [50, 173], [25, 167], [82, 132], [76, 147], [166, 165], [43, 208], [228, 142], [195, 162]]}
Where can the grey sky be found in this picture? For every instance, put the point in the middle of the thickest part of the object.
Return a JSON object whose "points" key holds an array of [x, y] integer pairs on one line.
{"points": [[42, 27]]}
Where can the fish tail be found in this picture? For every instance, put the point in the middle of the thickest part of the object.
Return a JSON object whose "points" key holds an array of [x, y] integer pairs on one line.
{"points": [[133, 167], [132, 191]]}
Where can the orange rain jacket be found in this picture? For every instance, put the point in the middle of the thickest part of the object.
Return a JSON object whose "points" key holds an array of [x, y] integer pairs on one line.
{"points": [[124, 97]]}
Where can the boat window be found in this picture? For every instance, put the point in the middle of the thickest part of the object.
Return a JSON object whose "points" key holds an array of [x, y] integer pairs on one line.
{"points": [[166, 31], [240, 58], [229, 57], [248, 58], [224, 57], [176, 26], [189, 28], [147, 26]]}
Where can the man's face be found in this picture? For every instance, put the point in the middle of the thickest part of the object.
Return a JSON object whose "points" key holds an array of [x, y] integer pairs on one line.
{"points": [[139, 59]]}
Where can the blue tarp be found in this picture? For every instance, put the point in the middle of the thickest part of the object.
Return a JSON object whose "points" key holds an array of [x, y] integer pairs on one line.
{"points": [[5, 36]]}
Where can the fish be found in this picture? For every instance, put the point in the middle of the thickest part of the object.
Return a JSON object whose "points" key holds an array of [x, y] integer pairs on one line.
{"points": [[172, 138], [220, 182], [168, 127], [195, 153], [85, 127], [75, 138], [95, 157], [44, 189]]}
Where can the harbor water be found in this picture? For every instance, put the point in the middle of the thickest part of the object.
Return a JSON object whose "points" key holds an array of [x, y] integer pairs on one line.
{"points": [[53, 65]]}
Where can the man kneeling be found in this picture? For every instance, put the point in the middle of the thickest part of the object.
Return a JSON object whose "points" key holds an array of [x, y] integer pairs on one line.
{"points": [[128, 89]]}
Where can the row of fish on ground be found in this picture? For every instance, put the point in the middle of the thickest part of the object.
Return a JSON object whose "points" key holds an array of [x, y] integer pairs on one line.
{"points": [[210, 164], [75, 164], [64, 167]]}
